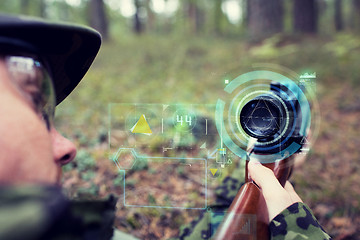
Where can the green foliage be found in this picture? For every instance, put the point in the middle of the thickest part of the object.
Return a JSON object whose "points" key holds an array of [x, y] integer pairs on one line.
{"points": [[151, 199], [133, 222], [343, 45], [194, 196], [88, 175], [68, 167], [177, 220], [152, 171], [118, 181], [140, 164], [180, 170], [167, 200], [84, 161], [269, 49], [131, 182], [88, 192], [151, 212]]}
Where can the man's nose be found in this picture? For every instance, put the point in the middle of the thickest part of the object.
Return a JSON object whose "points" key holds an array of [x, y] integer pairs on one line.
{"points": [[64, 150]]}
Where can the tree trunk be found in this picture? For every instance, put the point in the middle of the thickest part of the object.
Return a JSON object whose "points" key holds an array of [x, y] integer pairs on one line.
{"points": [[42, 9], [200, 19], [247, 12], [338, 18], [194, 16], [265, 18], [24, 7], [98, 18], [192, 12], [137, 26], [218, 17], [356, 15], [151, 18], [305, 16]]}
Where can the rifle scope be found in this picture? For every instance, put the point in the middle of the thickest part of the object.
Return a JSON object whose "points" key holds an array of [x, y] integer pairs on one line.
{"points": [[273, 115]]}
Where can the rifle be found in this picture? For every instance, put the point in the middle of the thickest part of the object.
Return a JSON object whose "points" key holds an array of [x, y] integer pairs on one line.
{"points": [[262, 118], [249, 208]]}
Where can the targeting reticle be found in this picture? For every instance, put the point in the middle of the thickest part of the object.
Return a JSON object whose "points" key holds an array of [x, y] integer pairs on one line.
{"points": [[262, 117], [267, 108]]}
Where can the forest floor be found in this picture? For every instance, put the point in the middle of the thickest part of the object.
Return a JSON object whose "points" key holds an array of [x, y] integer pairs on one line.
{"points": [[190, 70]]}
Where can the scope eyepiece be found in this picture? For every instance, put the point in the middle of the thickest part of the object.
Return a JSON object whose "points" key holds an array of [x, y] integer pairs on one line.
{"points": [[262, 117]]}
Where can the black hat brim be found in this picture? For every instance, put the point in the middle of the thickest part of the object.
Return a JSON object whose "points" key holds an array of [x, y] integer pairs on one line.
{"points": [[68, 49]]}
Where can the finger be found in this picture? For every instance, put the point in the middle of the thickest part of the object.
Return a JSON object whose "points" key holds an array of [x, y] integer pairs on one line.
{"points": [[276, 197], [265, 178], [251, 143], [291, 191]]}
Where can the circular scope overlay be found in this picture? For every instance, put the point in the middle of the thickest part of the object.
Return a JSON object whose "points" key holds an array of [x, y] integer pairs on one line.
{"points": [[269, 107]]}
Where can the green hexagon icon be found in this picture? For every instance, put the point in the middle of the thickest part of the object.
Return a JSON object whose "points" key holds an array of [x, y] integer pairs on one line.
{"points": [[124, 158]]}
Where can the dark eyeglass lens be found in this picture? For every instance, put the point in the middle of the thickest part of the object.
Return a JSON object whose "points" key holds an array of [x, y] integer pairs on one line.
{"points": [[33, 81]]}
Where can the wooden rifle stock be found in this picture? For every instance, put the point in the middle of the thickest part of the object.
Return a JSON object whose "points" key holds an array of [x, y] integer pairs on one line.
{"points": [[248, 218]]}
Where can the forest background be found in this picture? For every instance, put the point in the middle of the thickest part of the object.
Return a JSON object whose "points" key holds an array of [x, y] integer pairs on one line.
{"points": [[164, 51]]}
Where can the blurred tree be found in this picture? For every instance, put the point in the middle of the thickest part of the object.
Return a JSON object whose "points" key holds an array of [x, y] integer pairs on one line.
{"points": [[98, 18], [246, 11], [194, 15], [42, 8], [24, 5], [356, 15], [244, 16], [61, 11], [288, 17], [218, 17], [151, 17], [338, 18], [137, 26], [305, 16], [265, 18]]}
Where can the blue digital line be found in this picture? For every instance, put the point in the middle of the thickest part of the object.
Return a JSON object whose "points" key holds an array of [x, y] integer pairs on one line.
{"points": [[167, 158]]}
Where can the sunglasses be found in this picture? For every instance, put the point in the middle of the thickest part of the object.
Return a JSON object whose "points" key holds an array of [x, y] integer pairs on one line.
{"points": [[31, 77]]}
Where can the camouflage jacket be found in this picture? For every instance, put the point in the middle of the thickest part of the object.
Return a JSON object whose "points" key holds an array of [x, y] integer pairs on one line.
{"points": [[295, 222], [44, 213], [39, 212]]}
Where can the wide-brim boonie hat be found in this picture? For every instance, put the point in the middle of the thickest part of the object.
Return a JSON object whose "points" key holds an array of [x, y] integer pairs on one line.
{"points": [[68, 49]]}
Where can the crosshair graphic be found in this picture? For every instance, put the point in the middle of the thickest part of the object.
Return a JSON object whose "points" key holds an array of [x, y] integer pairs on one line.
{"points": [[266, 106], [261, 118]]}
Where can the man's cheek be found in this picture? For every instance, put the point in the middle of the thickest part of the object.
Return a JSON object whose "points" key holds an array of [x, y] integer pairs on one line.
{"points": [[26, 147]]}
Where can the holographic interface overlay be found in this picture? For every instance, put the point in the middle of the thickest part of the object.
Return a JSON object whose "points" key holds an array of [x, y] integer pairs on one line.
{"points": [[241, 226], [268, 111], [194, 148], [172, 171], [179, 143]]}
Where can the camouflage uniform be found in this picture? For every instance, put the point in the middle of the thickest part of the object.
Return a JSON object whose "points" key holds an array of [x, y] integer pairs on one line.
{"points": [[44, 213], [295, 222]]}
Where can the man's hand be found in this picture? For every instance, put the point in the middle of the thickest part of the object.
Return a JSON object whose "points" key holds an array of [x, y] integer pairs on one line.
{"points": [[277, 198]]}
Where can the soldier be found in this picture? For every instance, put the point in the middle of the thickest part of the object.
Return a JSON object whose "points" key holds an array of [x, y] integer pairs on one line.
{"points": [[40, 64]]}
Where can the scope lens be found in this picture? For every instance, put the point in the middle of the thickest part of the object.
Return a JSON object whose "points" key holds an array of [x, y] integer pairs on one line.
{"points": [[261, 117]]}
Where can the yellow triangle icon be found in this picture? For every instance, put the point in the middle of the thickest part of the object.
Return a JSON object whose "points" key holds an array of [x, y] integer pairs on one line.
{"points": [[213, 171], [141, 126]]}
